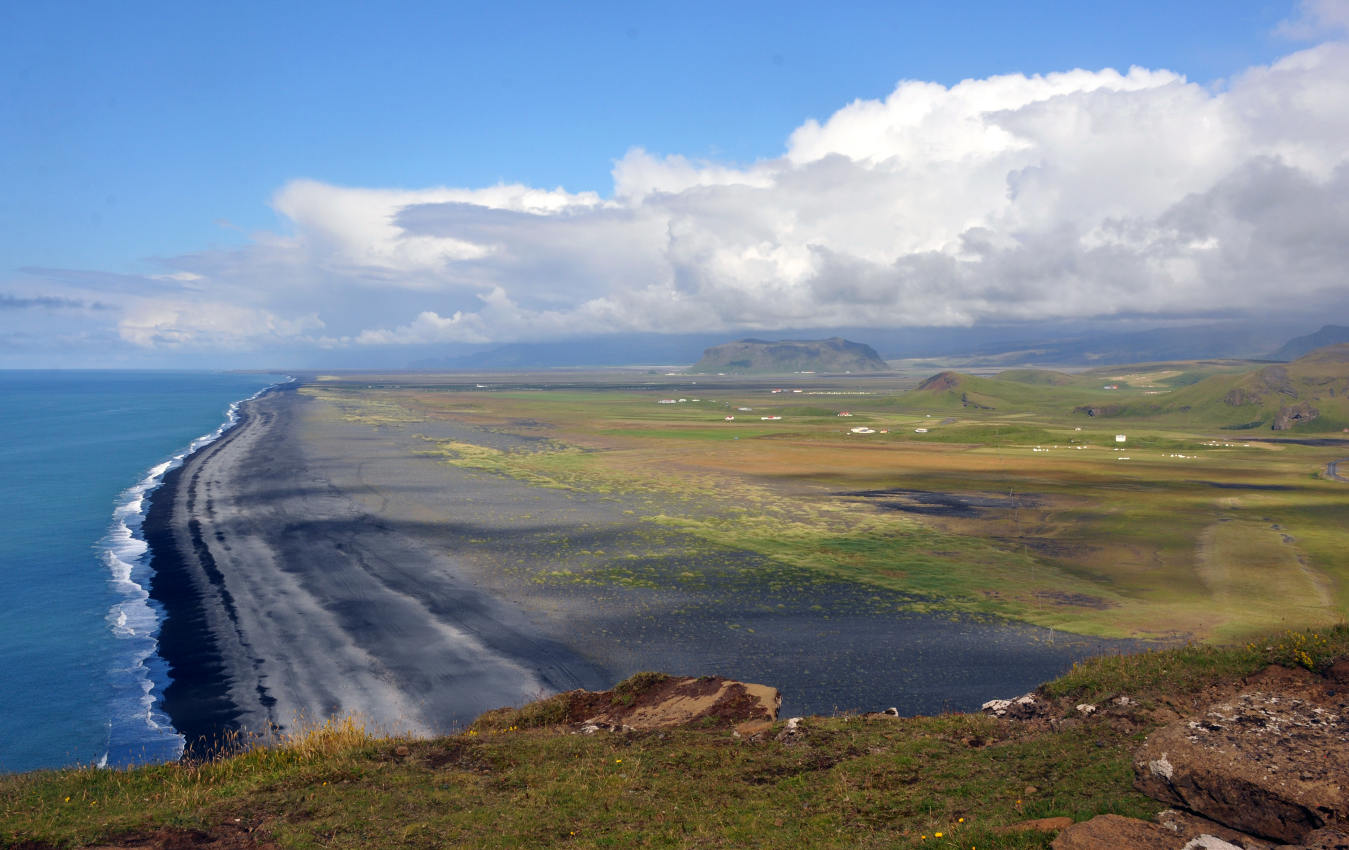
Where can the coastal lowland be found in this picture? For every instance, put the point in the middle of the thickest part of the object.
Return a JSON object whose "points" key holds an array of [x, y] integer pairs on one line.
{"points": [[417, 549], [341, 553], [367, 563]]}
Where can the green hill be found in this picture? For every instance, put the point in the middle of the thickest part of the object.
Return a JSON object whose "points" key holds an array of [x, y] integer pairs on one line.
{"points": [[757, 356], [1021, 390], [1310, 394]]}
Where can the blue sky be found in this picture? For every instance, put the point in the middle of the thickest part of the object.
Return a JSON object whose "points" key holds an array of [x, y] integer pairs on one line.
{"points": [[146, 140]]}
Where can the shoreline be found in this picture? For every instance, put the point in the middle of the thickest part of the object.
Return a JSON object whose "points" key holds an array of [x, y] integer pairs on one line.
{"points": [[196, 697]]}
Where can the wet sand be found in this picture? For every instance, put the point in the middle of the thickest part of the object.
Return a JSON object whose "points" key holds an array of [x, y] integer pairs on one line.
{"points": [[310, 566]]}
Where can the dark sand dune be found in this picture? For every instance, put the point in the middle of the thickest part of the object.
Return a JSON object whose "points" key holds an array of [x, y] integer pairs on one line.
{"points": [[311, 566]]}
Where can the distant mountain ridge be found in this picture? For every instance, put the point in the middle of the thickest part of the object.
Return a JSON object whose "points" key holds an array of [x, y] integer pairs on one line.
{"points": [[1303, 345], [1011, 345], [748, 356]]}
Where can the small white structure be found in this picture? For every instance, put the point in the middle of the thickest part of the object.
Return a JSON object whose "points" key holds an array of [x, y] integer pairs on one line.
{"points": [[861, 429], [920, 430], [744, 409], [730, 418], [1119, 438], [667, 401]]}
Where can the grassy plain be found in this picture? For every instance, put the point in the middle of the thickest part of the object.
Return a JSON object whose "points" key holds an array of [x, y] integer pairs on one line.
{"points": [[1007, 502]]}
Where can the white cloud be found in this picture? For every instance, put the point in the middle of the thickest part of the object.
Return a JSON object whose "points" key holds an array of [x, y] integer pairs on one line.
{"points": [[1064, 195], [219, 325], [344, 227], [1317, 18]]}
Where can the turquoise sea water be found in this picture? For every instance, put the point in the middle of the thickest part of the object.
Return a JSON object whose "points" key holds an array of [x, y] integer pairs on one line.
{"points": [[78, 452]]}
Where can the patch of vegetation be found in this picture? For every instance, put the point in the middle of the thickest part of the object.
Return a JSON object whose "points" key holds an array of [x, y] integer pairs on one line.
{"points": [[548, 711], [627, 691]]}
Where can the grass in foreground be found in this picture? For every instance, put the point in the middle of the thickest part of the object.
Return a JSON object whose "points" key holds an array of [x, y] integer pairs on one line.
{"points": [[949, 781]]}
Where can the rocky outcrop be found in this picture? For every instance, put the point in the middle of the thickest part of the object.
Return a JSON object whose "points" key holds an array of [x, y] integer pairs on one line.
{"points": [[1272, 761], [1264, 765], [681, 701], [1261, 764], [1293, 414]]}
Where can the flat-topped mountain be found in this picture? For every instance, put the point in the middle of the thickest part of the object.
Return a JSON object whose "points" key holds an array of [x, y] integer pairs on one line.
{"points": [[790, 355]]}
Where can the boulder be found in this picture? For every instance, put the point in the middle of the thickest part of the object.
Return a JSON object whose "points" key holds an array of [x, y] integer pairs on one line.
{"points": [[1022, 708], [1113, 832], [1272, 761]]}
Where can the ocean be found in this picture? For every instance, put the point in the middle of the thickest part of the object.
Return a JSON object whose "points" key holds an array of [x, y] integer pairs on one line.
{"points": [[79, 452]]}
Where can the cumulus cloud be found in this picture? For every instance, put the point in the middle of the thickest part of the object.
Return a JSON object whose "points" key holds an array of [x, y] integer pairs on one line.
{"points": [[172, 324], [1081, 194]]}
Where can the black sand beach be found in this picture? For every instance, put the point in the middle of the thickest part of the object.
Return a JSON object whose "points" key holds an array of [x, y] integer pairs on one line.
{"points": [[310, 566]]}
